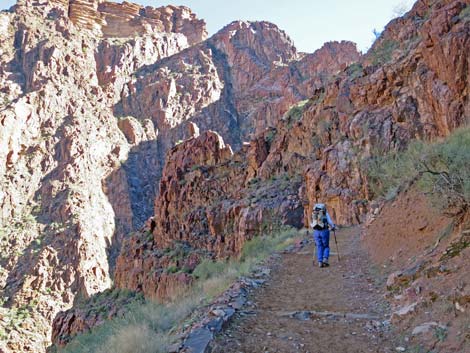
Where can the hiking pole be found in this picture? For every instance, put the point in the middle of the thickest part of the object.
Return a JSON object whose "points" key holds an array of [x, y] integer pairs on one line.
{"points": [[336, 242]]}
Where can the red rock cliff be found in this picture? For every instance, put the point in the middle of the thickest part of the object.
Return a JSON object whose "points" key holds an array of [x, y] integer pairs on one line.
{"points": [[89, 91], [61, 149], [89, 114], [207, 206], [379, 105]]}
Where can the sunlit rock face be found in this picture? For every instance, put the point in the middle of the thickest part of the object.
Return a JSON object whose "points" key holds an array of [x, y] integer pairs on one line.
{"points": [[209, 198], [94, 94], [66, 200]]}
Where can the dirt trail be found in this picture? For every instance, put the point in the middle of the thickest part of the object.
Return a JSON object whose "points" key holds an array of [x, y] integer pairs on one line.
{"points": [[318, 310]]}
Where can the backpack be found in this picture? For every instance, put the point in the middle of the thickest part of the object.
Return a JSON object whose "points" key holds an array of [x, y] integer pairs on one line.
{"points": [[319, 221]]}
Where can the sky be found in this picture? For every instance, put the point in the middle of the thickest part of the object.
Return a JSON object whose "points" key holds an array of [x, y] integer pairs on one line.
{"points": [[310, 23]]}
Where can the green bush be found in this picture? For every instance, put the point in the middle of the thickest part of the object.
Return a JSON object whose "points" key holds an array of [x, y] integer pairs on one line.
{"points": [[464, 15], [172, 269], [215, 277], [208, 268], [144, 328], [387, 173], [295, 112], [262, 246], [441, 169], [382, 52], [270, 135], [355, 70]]}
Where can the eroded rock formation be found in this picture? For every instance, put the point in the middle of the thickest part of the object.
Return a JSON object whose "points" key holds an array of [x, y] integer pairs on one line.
{"points": [[89, 113], [248, 72], [60, 142], [241, 80], [377, 106], [207, 208], [87, 100]]}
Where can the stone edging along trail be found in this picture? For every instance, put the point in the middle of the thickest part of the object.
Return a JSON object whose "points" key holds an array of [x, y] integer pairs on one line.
{"points": [[291, 305], [217, 316], [306, 309]]}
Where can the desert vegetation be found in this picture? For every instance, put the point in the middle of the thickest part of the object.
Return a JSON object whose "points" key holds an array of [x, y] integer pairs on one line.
{"points": [[441, 169], [382, 52], [149, 326]]}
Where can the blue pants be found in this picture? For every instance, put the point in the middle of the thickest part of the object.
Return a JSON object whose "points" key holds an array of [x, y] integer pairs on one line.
{"points": [[322, 240]]}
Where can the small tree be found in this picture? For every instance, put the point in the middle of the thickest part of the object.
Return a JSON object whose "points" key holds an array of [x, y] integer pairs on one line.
{"points": [[400, 9], [377, 33]]}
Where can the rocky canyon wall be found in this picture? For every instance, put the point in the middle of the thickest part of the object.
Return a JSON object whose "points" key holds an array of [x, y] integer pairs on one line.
{"points": [[92, 95], [371, 108], [60, 144], [238, 82]]}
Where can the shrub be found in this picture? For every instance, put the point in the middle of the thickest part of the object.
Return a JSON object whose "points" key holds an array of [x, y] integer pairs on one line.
{"points": [[135, 338], [386, 173], [355, 70], [144, 328], [270, 135], [441, 333], [149, 327], [215, 277], [382, 52], [172, 269], [208, 268], [464, 15], [441, 170], [295, 112]]}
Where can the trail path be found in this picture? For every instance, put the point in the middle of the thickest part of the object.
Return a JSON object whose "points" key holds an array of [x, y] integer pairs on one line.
{"points": [[318, 310]]}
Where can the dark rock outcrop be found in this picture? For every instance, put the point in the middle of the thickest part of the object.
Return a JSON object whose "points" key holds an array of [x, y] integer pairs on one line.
{"points": [[206, 206]]}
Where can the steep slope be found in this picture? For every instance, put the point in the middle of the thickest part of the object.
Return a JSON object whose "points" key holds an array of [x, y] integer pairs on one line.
{"points": [[426, 263], [368, 109], [205, 207], [372, 108], [241, 80], [248, 72], [89, 106], [89, 112], [59, 140]]}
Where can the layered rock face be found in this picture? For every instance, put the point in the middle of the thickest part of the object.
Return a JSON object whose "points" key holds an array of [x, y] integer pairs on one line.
{"points": [[371, 108], [92, 95], [127, 20], [61, 150], [273, 95], [207, 207], [88, 114], [237, 82], [403, 90], [247, 72]]}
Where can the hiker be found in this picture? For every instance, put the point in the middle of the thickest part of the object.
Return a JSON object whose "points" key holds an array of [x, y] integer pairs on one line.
{"points": [[321, 224]]}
